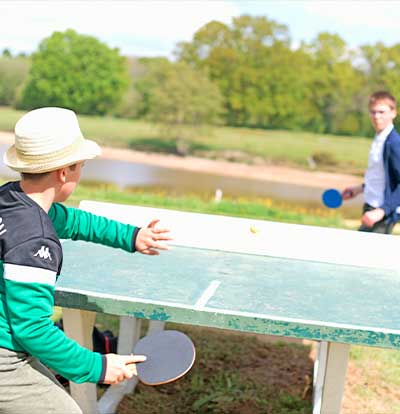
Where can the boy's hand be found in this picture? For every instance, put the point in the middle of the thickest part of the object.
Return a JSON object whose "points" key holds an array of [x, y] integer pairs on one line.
{"points": [[117, 370], [148, 238], [351, 192], [369, 218]]}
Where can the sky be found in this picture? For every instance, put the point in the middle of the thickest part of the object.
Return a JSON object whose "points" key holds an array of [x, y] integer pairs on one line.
{"points": [[154, 27]]}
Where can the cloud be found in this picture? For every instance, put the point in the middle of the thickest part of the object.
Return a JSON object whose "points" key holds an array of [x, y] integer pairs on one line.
{"points": [[154, 27], [372, 14], [358, 22], [136, 27]]}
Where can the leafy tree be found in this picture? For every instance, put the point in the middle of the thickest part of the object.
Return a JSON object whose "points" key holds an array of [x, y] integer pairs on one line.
{"points": [[266, 82], [382, 69], [13, 73], [256, 70], [6, 53], [179, 98], [212, 49], [151, 74], [335, 84], [78, 72]]}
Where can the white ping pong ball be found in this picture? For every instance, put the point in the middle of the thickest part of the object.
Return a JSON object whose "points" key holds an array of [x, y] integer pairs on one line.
{"points": [[254, 230]]}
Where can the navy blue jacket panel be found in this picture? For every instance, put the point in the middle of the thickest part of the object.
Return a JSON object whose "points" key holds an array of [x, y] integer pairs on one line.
{"points": [[391, 162]]}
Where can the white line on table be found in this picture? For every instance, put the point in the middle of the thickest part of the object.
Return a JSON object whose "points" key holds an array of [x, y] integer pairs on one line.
{"points": [[207, 294]]}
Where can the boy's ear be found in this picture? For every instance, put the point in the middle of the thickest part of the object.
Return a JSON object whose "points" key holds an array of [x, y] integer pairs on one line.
{"points": [[61, 175]]}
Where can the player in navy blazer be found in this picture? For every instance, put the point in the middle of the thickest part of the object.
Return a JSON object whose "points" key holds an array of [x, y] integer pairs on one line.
{"points": [[381, 185]]}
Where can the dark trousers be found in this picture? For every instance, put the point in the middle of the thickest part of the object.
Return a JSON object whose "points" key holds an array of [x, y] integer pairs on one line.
{"points": [[380, 226]]}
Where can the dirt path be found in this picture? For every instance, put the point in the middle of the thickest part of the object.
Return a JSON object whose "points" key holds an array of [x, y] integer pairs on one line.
{"points": [[268, 173]]}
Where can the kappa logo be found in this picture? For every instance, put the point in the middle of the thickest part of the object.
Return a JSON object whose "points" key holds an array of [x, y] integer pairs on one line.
{"points": [[2, 227], [43, 253]]}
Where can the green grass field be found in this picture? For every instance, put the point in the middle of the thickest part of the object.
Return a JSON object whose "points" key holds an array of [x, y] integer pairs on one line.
{"points": [[330, 153], [257, 208]]}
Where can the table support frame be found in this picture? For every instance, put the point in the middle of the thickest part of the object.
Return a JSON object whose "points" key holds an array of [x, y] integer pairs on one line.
{"points": [[78, 325], [329, 379], [330, 369]]}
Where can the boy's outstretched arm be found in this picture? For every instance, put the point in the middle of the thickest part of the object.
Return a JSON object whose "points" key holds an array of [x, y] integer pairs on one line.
{"points": [[148, 239], [76, 224]]}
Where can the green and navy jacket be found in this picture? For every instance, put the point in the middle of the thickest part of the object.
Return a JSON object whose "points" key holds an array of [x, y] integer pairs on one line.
{"points": [[31, 260]]}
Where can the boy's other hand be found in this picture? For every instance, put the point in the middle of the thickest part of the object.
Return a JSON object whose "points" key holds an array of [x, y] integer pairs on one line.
{"points": [[373, 216], [117, 369], [148, 239]]}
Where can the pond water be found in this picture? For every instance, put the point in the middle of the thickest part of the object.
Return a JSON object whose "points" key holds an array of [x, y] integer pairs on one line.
{"points": [[128, 174]]}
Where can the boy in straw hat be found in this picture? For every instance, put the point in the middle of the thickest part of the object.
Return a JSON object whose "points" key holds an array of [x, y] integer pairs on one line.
{"points": [[49, 152]]}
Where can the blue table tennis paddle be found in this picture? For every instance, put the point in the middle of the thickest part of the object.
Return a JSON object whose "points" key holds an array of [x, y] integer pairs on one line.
{"points": [[170, 355], [332, 198]]}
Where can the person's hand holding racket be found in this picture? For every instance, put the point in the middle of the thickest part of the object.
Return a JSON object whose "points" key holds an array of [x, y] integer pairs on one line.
{"points": [[117, 367], [169, 356], [351, 192], [160, 358], [148, 239]]}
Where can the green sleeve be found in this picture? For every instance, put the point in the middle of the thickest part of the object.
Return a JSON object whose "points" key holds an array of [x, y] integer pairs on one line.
{"points": [[29, 308], [75, 224]]}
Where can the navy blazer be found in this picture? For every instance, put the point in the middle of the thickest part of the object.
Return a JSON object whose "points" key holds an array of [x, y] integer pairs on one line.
{"points": [[391, 163]]}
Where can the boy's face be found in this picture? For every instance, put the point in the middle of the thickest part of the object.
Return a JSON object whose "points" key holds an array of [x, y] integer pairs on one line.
{"points": [[382, 115], [72, 177]]}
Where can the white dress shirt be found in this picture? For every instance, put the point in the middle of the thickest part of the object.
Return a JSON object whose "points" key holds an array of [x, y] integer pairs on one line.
{"points": [[375, 174]]}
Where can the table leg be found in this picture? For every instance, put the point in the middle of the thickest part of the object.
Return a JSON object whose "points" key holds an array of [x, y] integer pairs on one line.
{"points": [[155, 326], [329, 377], [129, 334], [78, 325]]}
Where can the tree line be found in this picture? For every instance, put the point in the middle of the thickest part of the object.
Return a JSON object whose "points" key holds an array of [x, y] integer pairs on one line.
{"points": [[247, 73]]}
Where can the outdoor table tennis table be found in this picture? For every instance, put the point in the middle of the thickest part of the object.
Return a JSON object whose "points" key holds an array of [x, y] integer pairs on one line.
{"points": [[337, 287]]}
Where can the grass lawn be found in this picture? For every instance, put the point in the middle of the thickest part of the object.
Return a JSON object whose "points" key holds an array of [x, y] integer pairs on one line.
{"points": [[330, 153], [233, 374], [257, 207], [237, 373]]}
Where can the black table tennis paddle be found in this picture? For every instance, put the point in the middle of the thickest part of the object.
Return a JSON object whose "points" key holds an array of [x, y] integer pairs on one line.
{"points": [[170, 355]]}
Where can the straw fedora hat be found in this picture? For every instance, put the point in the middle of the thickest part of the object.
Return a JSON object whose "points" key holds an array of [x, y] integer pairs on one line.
{"points": [[47, 139]]}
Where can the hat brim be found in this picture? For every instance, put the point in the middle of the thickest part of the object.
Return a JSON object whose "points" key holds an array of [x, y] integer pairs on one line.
{"points": [[86, 150]]}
